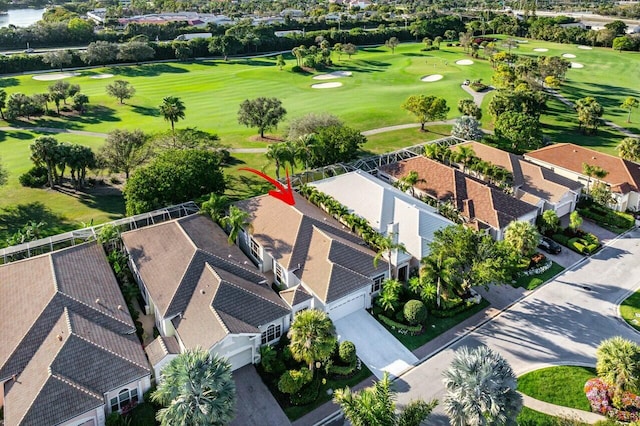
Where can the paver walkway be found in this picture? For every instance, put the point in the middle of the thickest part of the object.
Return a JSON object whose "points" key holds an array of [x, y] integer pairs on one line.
{"points": [[560, 411], [477, 96]]}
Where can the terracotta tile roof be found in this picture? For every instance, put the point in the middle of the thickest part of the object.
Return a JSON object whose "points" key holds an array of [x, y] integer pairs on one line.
{"points": [[624, 175], [330, 260], [295, 295], [537, 181], [475, 200], [78, 327], [218, 289], [160, 347]]}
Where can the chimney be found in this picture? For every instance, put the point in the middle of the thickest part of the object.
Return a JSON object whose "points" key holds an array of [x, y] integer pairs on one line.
{"points": [[468, 206]]}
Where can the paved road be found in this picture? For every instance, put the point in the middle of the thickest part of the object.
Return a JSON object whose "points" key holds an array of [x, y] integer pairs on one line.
{"points": [[561, 323]]}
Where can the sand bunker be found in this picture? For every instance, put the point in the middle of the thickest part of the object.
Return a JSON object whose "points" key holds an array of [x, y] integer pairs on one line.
{"points": [[102, 76], [330, 85], [540, 49], [576, 65], [56, 76], [464, 62], [431, 78], [332, 75], [568, 55], [585, 47], [522, 41]]}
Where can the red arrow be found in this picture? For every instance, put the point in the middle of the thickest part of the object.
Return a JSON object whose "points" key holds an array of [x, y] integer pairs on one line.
{"points": [[282, 194]]}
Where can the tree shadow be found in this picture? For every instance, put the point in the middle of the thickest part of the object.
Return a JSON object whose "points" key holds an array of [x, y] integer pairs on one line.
{"points": [[113, 205], [97, 114], [13, 218], [9, 82], [142, 110], [151, 70], [413, 54], [16, 134]]}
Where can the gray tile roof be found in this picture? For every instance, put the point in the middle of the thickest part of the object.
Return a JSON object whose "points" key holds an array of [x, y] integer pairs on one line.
{"points": [[160, 347], [73, 325], [295, 295]]}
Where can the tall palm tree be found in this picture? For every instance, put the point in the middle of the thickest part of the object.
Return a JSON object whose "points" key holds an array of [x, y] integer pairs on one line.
{"points": [[375, 406], [236, 221], [386, 246], [44, 150], [215, 206], [618, 363], [277, 153], [197, 389], [305, 145], [481, 389], [465, 155], [629, 149], [410, 180], [312, 337], [522, 236], [439, 269], [172, 109]]}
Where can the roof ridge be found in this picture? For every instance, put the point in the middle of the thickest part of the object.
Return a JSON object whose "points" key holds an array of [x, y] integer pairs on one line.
{"points": [[628, 172], [225, 260], [493, 205], [217, 316], [53, 273], [164, 347], [340, 240], [107, 350], [184, 273], [94, 309], [179, 225], [332, 265], [76, 385]]}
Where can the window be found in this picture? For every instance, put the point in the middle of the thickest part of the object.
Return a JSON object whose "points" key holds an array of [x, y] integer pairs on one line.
{"points": [[255, 248], [279, 273], [377, 283], [124, 398], [273, 332]]}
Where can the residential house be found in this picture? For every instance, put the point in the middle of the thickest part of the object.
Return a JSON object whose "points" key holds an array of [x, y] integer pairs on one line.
{"points": [[482, 206], [532, 183], [69, 352], [203, 292], [390, 212], [567, 159], [306, 249]]}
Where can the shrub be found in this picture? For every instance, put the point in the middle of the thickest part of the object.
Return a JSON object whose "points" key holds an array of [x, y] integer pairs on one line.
{"points": [[307, 394], [343, 370], [561, 239], [293, 380], [415, 312], [452, 312], [414, 329], [478, 86], [36, 177], [268, 358], [297, 68], [347, 352], [600, 396]]}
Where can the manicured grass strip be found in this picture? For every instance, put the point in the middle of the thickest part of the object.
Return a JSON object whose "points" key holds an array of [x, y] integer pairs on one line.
{"points": [[397, 139], [295, 412], [435, 327], [534, 281], [630, 310], [529, 417], [562, 385]]}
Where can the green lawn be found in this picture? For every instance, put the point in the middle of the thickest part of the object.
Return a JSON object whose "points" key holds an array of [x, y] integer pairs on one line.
{"points": [[529, 417], [534, 281], [435, 326], [561, 385], [397, 139], [630, 310]]}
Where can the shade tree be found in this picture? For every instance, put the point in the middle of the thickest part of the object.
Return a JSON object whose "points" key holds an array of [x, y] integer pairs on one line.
{"points": [[58, 58], [100, 52], [426, 108], [121, 90], [263, 113], [125, 150]]}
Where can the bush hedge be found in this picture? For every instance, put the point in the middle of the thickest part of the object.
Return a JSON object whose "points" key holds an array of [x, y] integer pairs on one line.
{"points": [[452, 312], [400, 327], [36, 177], [608, 217], [307, 394], [347, 352], [415, 312], [343, 370]]}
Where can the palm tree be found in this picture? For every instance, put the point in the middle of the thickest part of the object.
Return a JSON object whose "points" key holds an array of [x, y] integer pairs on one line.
{"points": [[481, 389], [435, 267], [409, 181], [522, 236], [197, 389], [236, 221], [390, 295], [629, 149], [312, 337], [304, 148], [618, 363], [215, 206], [464, 155], [629, 104], [277, 153], [386, 246], [44, 150], [375, 406], [172, 109]]}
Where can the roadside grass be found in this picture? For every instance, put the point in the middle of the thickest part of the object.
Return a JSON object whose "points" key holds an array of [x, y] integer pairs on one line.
{"points": [[533, 281], [630, 310], [529, 417], [436, 326], [561, 385]]}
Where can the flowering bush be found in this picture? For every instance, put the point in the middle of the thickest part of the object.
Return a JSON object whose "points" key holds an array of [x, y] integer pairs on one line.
{"points": [[538, 270], [600, 396]]}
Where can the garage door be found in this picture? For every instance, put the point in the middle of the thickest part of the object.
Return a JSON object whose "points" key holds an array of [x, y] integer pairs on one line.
{"points": [[563, 209], [349, 305], [240, 359]]}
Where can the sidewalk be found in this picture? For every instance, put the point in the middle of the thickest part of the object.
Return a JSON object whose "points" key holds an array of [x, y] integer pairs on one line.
{"points": [[559, 411]]}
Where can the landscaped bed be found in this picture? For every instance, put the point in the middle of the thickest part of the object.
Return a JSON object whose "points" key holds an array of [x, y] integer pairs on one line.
{"points": [[532, 281], [561, 385]]}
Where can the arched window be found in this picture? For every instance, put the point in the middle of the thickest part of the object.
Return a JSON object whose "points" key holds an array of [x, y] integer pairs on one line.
{"points": [[273, 332], [124, 398]]}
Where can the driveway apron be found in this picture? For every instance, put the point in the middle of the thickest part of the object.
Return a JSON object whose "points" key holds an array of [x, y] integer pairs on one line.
{"points": [[376, 347], [256, 405]]}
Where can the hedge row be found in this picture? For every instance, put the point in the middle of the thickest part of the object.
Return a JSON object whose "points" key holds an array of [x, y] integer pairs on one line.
{"points": [[343, 370], [610, 217], [396, 325]]}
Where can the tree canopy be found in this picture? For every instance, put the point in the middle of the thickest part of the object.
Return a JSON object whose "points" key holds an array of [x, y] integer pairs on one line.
{"points": [[426, 108], [121, 90], [125, 150], [263, 113]]}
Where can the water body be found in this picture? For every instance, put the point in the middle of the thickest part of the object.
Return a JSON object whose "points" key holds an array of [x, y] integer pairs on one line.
{"points": [[21, 17]]}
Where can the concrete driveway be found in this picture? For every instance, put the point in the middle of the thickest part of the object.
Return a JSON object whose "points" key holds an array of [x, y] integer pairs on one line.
{"points": [[565, 258], [255, 404], [376, 347]]}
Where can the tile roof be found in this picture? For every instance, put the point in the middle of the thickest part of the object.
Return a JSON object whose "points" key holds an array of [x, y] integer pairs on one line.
{"points": [[68, 307], [536, 181], [476, 200], [217, 288], [295, 295], [330, 260], [624, 175], [160, 347]]}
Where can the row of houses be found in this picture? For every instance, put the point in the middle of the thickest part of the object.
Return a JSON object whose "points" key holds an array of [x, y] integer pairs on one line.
{"points": [[63, 318]]}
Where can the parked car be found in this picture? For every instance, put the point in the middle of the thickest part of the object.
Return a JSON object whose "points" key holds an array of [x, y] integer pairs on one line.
{"points": [[550, 246], [466, 82]]}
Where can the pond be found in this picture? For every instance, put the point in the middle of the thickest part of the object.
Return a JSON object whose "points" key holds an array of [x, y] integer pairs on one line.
{"points": [[21, 17]]}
